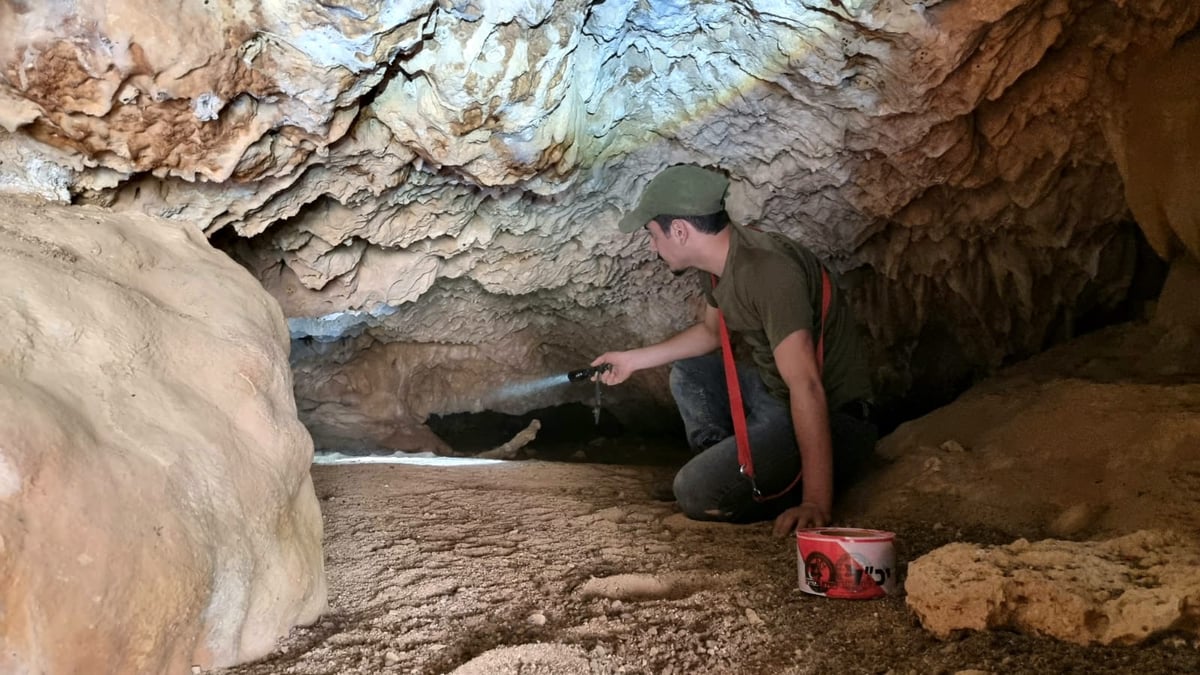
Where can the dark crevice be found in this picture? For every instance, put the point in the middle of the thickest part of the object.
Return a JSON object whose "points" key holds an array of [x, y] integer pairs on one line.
{"points": [[568, 433], [393, 69]]}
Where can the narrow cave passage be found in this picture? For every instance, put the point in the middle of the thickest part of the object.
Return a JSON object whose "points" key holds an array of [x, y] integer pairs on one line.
{"points": [[568, 433]]}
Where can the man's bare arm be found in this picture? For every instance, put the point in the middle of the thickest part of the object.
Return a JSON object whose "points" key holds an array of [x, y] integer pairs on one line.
{"points": [[796, 359]]}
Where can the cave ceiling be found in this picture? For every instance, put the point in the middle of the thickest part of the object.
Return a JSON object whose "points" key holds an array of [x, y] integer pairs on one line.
{"points": [[440, 181]]}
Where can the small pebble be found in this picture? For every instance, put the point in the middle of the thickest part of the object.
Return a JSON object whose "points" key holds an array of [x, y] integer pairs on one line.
{"points": [[391, 658], [537, 619], [753, 618], [953, 446], [195, 670]]}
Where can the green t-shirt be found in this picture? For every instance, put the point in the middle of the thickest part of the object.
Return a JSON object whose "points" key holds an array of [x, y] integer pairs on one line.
{"points": [[771, 288]]}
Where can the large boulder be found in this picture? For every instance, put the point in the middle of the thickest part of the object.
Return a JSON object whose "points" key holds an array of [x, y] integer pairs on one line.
{"points": [[156, 509]]}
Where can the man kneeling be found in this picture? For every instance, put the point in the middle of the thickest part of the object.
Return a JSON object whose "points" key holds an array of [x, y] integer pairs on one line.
{"points": [[805, 392]]}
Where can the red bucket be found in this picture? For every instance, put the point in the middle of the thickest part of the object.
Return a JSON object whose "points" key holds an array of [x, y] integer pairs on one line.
{"points": [[846, 562]]}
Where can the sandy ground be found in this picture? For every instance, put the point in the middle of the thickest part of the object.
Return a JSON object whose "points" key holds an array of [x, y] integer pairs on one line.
{"points": [[486, 570]]}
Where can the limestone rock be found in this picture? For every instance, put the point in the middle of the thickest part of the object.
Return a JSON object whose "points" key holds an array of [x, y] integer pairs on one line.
{"points": [[1120, 591], [156, 509]]}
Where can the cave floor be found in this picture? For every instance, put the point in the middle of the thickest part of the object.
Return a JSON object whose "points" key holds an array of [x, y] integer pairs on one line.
{"points": [[482, 569]]}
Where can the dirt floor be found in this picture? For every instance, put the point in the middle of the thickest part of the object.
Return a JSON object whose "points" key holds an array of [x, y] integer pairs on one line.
{"points": [[574, 566], [485, 569]]}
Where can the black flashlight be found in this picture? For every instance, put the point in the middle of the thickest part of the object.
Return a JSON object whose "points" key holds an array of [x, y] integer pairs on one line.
{"points": [[588, 373]]}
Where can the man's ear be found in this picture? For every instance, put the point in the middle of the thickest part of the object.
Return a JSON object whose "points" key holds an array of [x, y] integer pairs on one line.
{"points": [[679, 229]]}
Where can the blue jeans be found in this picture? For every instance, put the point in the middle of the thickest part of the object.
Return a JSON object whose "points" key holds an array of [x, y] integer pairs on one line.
{"points": [[711, 486]]}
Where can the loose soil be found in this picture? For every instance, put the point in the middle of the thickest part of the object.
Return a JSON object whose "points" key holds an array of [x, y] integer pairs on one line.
{"points": [[514, 568]]}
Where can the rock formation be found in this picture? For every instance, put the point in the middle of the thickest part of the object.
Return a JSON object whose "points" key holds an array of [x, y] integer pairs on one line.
{"points": [[156, 509], [1095, 437], [1160, 139], [1120, 591], [441, 180]]}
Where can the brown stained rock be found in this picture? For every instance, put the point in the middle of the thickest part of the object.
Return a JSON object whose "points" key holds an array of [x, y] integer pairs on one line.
{"points": [[1161, 138], [156, 509], [127, 89], [1120, 591]]}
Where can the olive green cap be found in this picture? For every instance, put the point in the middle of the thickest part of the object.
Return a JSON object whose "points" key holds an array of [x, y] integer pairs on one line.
{"points": [[680, 190]]}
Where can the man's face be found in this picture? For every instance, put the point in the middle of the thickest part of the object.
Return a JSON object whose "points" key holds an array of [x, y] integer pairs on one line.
{"points": [[666, 247]]}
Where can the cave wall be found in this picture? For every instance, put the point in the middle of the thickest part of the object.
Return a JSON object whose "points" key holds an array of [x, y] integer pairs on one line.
{"points": [[440, 181]]}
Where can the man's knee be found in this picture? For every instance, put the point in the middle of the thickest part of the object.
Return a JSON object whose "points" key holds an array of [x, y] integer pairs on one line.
{"points": [[695, 500]]}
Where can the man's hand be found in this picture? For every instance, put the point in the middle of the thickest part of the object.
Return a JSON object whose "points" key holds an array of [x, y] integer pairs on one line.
{"points": [[805, 515], [623, 365], [694, 341]]}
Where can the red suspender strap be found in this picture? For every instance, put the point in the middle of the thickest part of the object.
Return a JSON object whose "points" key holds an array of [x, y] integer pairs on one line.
{"points": [[738, 411], [826, 298]]}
